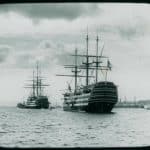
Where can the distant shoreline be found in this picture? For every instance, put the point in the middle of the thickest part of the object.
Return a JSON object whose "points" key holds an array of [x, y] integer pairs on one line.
{"points": [[128, 104]]}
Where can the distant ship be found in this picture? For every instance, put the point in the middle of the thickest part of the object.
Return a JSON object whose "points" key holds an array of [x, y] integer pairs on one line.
{"points": [[98, 97], [36, 100]]}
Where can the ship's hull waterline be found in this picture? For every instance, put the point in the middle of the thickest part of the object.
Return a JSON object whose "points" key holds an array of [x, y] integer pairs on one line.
{"points": [[31, 107], [27, 107], [101, 99]]}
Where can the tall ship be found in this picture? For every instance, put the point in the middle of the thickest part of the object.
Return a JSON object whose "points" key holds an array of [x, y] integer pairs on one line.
{"points": [[97, 97], [36, 99]]}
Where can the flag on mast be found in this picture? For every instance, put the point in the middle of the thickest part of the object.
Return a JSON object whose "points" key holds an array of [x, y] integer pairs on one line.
{"points": [[109, 64]]}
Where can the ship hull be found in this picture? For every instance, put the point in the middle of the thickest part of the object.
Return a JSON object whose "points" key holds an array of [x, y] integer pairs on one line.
{"points": [[101, 99], [23, 106], [35, 103], [74, 108], [95, 107], [100, 107], [32, 107]]}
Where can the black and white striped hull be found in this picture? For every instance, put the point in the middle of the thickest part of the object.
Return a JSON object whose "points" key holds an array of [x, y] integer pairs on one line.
{"points": [[76, 102], [101, 99]]}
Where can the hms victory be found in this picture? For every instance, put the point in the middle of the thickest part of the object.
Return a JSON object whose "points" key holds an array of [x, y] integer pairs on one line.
{"points": [[96, 97], [36, 100]]}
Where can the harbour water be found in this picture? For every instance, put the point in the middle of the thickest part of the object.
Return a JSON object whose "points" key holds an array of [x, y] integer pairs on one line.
{"points": [[57, 128]]}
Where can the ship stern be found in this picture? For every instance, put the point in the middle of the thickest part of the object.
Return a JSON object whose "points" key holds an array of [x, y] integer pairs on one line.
{"points": [[104, 96]]}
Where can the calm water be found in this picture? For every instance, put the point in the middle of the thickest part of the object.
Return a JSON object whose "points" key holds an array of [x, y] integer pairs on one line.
{"points": [[57, 128]]}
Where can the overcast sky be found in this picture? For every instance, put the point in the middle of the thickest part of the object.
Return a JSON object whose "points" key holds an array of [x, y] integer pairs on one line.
{"points": [[50, 32]]}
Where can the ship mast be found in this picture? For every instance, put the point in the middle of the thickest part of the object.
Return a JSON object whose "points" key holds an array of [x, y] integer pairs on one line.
{"points": [[33, 85], [86, 65], [75, 71], [37, 81], [97, 62], [87, 59], [97, 39], [40, 83]]}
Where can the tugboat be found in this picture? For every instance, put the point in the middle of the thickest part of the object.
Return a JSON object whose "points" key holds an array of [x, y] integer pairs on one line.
{"points": [[97, 97], [36, 100]]}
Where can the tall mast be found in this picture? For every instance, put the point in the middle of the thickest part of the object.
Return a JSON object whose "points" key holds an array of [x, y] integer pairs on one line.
{"points": [[37, 82], [33, 85], [40, 88], [87, 58], [86, 65], [75, 70], [97, 39]]}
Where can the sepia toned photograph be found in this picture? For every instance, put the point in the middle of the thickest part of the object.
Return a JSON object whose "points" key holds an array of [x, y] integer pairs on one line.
{"points": [[74, 75]]}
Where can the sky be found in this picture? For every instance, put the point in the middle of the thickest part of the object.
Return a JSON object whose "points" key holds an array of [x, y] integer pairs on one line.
{"points": [[49, 33]]}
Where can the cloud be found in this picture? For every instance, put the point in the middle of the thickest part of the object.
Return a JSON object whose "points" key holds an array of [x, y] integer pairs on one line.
{"points": [[124, 30], [24, 61], [129, 21], [50, 11], [136, 29], [47, 52], [4, 52]]}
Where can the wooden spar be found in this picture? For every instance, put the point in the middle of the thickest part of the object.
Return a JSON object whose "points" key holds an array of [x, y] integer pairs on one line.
{"points": [[42, 85], [91, 56], [72, 75]]}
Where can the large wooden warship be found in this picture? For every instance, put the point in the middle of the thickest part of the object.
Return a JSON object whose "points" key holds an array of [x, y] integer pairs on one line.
{"points": [[37, 99], [96, 97]]}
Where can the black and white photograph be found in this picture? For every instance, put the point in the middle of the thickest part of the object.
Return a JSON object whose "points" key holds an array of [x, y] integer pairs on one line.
{"points": [[74, 75]]}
